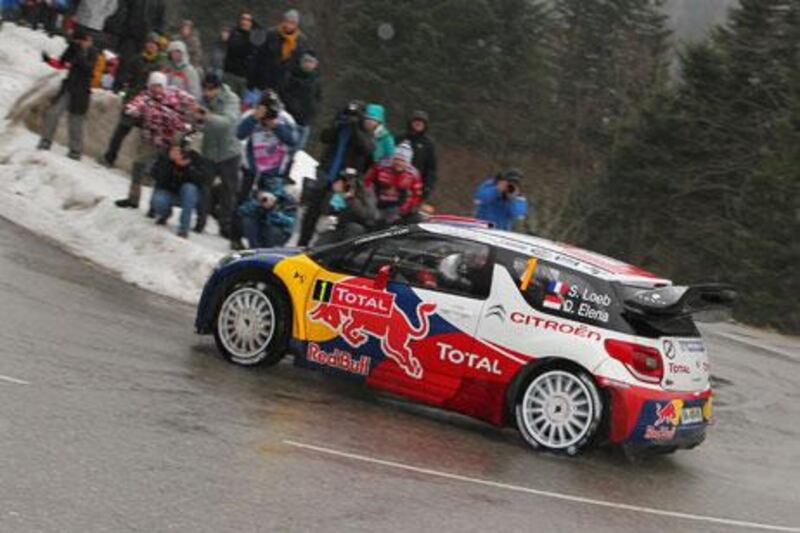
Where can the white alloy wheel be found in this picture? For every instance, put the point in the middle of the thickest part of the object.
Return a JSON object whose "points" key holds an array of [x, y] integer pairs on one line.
{"points": [[559, 411], [246, 324]]}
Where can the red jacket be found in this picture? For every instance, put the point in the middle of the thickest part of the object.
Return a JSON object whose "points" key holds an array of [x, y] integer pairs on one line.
{"points": [[401, 189]]}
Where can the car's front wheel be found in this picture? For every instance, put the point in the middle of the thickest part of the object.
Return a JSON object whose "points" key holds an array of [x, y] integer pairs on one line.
{"points": [[559, 410], [252, 324]]}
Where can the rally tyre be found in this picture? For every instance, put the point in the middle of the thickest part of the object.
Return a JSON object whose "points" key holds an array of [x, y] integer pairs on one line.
{"points": [[559, 410], [252, 324]]}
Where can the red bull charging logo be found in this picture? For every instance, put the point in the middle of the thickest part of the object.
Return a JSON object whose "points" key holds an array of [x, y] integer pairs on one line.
{"points": [[356, 311], [669, 413]]}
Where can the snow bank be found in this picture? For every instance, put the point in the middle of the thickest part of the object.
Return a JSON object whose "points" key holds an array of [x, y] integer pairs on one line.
{"points": [[73, 202]]}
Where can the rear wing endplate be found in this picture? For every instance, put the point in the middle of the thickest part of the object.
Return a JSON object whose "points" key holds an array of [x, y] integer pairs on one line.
{"points": [[676, 301]]}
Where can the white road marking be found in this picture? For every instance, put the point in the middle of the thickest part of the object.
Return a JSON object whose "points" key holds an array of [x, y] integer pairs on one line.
{"points": [[544, 493], [9, 379]]}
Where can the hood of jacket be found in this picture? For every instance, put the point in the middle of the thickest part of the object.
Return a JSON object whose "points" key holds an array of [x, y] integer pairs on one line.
{"points": [[181, 46]]}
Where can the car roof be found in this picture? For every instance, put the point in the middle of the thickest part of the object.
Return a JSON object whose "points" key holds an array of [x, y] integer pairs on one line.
{"points": [[566, 255]]}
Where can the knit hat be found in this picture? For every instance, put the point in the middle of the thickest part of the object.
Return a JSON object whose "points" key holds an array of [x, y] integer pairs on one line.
{"points": [[420, 115], [376, 112], [153, 37], [404, 152], [157, 78], [80, 34], [513, 174], [292, 15], [212, 80]]}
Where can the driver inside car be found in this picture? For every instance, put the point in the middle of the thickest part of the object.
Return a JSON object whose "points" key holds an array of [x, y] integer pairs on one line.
{"points": [[461, 270]]}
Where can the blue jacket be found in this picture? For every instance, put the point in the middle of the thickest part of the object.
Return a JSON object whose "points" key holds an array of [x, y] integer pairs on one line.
{"points": [[491, 206]]}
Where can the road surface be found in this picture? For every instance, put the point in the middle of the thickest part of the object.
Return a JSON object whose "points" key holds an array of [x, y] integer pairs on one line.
{"points": [[114, 416]]}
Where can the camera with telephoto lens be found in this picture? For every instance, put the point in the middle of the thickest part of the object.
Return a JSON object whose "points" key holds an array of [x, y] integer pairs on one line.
{"points": [[353, 112], [272, 102], [272, 113]]}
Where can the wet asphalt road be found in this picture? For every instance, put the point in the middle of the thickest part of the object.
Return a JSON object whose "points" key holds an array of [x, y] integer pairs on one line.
{"points": [[114, 416]]}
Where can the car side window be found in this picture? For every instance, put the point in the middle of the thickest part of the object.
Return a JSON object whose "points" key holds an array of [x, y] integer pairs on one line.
{"points": [[347, 259], [564, 292], [430, 262]]}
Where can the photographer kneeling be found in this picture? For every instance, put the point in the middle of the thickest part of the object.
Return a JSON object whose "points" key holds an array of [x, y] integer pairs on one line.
{"points": [[349, 209], [498, 200], [269, 214], [180, 175]]}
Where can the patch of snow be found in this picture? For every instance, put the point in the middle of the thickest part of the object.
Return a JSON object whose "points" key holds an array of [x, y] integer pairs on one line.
{"points": [[73, 202]]}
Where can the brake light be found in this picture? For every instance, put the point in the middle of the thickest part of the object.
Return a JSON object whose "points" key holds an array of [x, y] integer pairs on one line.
{"points": [[643, 362]]}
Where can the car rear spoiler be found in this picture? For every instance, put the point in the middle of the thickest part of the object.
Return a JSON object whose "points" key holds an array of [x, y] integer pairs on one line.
{"points": [[677, 301]]}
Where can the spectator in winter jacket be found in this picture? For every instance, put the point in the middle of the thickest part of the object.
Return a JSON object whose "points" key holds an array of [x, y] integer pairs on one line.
{"points": [[302, 94], [397, 186], [216, 58], [132, 22], [349, 209], [424, 150], [218, 117], [498, 200], [375, 124], [347, 144], [150, 60], [191, 40], [180, 72], [180, 174], [160, 112], [74, 95], [282, 48], [269, 214], [239, 51]]}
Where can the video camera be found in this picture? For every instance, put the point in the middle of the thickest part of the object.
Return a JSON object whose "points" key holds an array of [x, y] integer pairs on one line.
{"points": [[353, 112]]}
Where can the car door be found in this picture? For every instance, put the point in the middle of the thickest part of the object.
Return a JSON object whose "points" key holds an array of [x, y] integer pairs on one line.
{"points": [[411, 303]]}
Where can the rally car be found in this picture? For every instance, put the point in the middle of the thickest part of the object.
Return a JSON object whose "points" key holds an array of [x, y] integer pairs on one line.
{"points": [[572, 347]]}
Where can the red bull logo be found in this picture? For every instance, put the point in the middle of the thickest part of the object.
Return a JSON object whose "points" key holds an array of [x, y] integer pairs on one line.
{"points": [[356, 311], [669, 413]]}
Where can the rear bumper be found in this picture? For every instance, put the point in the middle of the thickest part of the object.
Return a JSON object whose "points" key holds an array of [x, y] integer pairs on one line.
{"points": [[645, 418]]}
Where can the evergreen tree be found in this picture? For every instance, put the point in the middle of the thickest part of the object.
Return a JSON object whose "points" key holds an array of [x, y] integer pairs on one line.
{"points": [[610, 57], [707, 179]]}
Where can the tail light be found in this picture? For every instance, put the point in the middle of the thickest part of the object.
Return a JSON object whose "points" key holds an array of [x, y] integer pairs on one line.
{"points": [[643, 362]]}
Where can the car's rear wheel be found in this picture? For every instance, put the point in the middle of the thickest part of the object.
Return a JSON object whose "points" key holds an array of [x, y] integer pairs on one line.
{"points": [[252, 324], [559, 410]]}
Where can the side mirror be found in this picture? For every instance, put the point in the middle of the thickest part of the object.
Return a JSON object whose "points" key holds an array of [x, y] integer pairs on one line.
{"points": [[382, 279]]}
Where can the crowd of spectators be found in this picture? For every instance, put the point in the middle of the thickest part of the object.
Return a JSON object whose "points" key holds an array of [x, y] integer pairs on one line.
{"points": [[219, 132]]}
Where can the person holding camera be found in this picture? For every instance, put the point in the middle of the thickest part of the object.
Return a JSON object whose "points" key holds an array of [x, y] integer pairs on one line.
{"points": [[217, 117], [180, 174], [498, 200], [347, 144], [349, 210], [268, 216], [397, 186]]}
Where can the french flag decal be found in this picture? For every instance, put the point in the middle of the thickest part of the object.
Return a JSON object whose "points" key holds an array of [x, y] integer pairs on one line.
{"points": [[556, 290]]}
